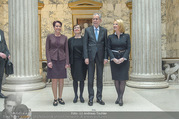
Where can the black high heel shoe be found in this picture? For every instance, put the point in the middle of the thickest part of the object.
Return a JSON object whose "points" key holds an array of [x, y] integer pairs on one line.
{"points": [[60, 100], [55, 102], [82, 99], [75, 99], [117, 101], [120, 102]]}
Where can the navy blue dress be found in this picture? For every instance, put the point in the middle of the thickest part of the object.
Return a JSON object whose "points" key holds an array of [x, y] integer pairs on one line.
{"points": [[119, 71]]}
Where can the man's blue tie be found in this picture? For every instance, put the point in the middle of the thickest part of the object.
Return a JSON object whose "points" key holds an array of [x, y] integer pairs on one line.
{"points": [[96, 34]]}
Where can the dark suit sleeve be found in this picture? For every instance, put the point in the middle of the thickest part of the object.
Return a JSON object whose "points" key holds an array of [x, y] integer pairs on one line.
{"points": [[127, 52], [109, 48], [66, 51], [106, 46], [5, 45], [85, 44], [48, 49]]}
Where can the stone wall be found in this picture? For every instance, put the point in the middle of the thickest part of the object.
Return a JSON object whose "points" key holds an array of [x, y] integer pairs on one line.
{"points": [[4, 18], [112, 9], [58, 10], [172, 27], [55, 10], [1, 15], [163, 28]]}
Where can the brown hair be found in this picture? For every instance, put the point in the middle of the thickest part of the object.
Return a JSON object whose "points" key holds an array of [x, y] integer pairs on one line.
{"points": [[77, 25]]}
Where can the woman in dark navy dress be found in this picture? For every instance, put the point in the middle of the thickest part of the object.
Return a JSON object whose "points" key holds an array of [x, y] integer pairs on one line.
{"points": [[119, 50], [57, 60], [78, 66]]}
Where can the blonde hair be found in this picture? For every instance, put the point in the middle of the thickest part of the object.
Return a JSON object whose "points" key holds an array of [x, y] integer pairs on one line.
{"points": [[121, 25]]}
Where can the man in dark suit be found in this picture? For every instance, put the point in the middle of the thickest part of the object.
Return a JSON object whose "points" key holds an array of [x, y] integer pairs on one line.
{"points": [[95, 53], [4, 53]]}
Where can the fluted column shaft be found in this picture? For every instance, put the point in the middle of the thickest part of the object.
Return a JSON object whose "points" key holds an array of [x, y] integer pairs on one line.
{"points": [[146, 45], [23, 45]]}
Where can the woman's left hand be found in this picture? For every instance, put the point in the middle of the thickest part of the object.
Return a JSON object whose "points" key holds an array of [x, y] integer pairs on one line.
{"points": [[121, 60], [66, 66]]}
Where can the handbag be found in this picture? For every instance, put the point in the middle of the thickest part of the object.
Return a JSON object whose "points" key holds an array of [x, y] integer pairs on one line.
{"points": [[9, 67]]}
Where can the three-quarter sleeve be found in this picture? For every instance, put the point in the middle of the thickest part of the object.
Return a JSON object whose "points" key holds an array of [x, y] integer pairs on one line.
{"points": [[128, 48], [109, 48], [48, 49], [66, 51]]}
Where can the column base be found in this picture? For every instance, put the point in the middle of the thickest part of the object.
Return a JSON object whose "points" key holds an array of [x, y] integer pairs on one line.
{"points": [[147, 81], [25, 83], [23, 87], [146, 85]]}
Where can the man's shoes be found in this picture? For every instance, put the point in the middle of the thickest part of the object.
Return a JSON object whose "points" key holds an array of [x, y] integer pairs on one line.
{"points": [[101, 102], [2, 96], [90, 103]]}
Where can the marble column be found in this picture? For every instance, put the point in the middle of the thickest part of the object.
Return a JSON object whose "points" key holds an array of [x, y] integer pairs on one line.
{"points": [[24, 46], [146, 45]]}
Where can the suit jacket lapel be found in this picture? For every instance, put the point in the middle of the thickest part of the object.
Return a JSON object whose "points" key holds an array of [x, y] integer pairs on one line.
{"points": [[100, 31], [92, 31]]}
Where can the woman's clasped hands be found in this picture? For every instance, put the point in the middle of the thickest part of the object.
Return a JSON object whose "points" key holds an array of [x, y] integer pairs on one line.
{"points": [[118, 61]]}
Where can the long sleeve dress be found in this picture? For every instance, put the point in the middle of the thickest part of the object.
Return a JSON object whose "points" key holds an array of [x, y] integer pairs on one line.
{"points": [[118, 48], [78, 66]]}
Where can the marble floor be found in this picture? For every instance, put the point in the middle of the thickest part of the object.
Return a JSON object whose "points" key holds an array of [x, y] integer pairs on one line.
{"points": [[157, 100]]}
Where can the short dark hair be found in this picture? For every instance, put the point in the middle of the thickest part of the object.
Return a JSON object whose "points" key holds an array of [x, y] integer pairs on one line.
{"points": [[57, 22], [77, 25]]}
